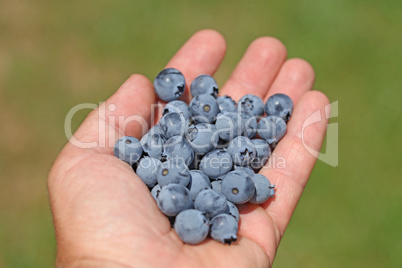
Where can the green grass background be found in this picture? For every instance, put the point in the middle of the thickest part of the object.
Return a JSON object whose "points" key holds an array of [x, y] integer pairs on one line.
{"points": [[57, 54]]}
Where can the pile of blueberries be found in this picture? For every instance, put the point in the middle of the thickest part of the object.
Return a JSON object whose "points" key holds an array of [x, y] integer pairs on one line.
{"points": [[202, 159]]}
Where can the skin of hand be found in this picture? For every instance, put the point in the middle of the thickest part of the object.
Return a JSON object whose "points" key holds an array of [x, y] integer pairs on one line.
{"points": [[105, 216]]}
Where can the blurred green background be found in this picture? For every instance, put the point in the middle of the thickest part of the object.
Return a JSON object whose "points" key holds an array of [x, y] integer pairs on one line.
{"points": [[57, 54]]}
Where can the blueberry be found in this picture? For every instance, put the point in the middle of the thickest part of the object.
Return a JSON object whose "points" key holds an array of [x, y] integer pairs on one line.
{"points": [[204, 109], [191, 226], [173, 199], [263, 152], [229, 125], [217, 185], [155, 191], [250, 125], [152, 144], [147, 170], [224, 228], [169, 84], [263, 189], [199, 181], [216, 163], [204, 84], [202, 175], [156, 130], [279, 105], [272, 190], [246, 169], [173, 171], [173, 124], [238, 187], [177, 106], [242, 151], [252, 104], [202, 137], [211, 202], [272, 129], [233, 211], [226, 104], [178, 148], [128, 149]]}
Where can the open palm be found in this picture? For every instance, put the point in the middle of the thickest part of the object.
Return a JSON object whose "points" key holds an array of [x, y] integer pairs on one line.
{"points": [[105, 216]]}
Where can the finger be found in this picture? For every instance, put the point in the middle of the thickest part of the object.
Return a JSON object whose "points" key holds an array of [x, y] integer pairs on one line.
{"points": [[295, 78], [291, 163], [201, 54], [257, 69]]}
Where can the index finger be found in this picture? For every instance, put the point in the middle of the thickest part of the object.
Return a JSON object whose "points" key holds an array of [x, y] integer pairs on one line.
{"points": [[201, 54]]}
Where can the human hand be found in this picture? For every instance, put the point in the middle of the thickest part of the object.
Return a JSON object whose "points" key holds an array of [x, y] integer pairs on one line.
{"points": [[105, 216]]}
